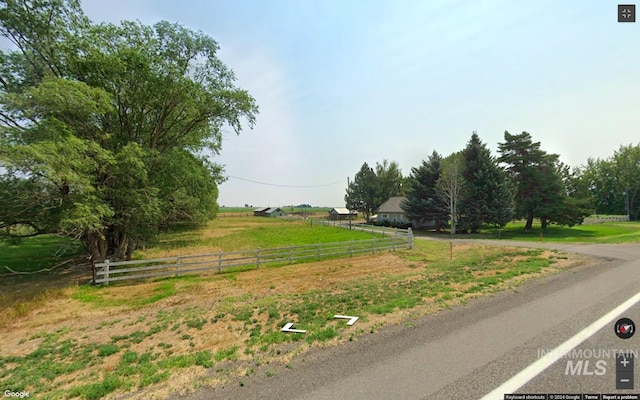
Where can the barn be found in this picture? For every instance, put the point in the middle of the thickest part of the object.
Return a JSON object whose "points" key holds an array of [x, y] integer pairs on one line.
{"points": [[340, 214], [259, 212], [274, 212]]}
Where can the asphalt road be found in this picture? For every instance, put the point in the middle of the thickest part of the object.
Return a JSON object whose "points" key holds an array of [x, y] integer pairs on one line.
{"points": [[469, 351]]}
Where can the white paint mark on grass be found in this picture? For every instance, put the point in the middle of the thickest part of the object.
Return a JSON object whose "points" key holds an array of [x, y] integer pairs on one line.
{"points": [[289, 328], [352, 320]]}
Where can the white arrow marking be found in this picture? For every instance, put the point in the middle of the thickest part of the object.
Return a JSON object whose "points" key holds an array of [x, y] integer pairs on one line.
{"points": [[288, 326], [352, 320]]}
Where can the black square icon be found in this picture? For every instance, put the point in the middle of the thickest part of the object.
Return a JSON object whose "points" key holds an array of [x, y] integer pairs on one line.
{"points": [[624, 371], [624, 362], [626, 13]]}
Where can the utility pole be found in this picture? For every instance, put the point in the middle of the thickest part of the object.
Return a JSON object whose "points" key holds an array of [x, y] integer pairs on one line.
{"points": [[348, 209]]}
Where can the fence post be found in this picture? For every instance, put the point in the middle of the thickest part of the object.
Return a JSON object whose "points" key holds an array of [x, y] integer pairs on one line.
{"points": [[395, 235], [318, 251], [351, 248], [106, 270], [220, 261], [93, 270], [409, 238], [290, 254], [258, 259], [177, 265], [374, 245]]}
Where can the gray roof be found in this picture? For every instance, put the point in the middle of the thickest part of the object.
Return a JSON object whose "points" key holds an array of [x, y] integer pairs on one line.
{"points": [[262, 209], [272, 209], [392, 205], [341, 211]]}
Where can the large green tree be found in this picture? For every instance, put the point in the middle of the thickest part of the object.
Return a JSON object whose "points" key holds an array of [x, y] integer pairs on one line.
{"points": [[575, 204], [362, 191], [423, 204], [389, 181], [488, 198], [627, 165], [103, 127], [372, 187], [532, 171], [614, 182], [543, 187]]}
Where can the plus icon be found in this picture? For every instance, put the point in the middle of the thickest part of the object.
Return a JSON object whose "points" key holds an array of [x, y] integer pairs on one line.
{"points": [[624, 362], [626, 13]]}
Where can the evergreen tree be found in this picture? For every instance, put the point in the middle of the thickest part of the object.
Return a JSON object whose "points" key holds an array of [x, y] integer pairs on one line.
{"points": [[501, 205], [576, 202], [529, 167], [541, 191], [487, 199], [423, 203], [361, 193], [550, 191]]}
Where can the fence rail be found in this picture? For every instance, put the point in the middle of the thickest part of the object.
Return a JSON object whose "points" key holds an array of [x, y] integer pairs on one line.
{"points": [[605, 218], [180, 265], [366, 227]]}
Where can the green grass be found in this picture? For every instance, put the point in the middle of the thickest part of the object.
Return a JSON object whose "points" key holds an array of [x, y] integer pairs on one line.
{"points": [[609, 232], [95, 295], [227, 354], [36, 253], [478, 270], [248, 233], [60, 353], [95, 391], [226, 210]]}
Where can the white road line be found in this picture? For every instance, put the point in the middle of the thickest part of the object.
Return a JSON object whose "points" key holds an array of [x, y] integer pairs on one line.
{"points": [[524, 376]]}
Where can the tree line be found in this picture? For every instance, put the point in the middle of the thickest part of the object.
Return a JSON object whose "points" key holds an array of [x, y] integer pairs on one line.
{"points": [[471, 188], [102, 126]]}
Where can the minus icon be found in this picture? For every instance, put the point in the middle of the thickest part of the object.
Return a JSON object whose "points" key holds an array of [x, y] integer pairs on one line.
{"points": [[624, 380]]}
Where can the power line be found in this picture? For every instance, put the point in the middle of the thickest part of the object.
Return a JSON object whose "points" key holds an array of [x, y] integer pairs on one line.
{"points": [[288, 186]]}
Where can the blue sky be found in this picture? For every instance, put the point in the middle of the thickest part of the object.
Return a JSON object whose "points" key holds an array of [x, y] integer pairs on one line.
{"points": [[339, 83]]}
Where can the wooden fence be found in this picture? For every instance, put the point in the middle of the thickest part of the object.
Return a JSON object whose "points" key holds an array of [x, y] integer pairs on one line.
{"points": [[598, 219], [180, 265], [365, 227]]}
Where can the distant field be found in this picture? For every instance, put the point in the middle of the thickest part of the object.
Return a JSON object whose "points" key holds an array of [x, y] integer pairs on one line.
{"points": [[240, 210], [225, 210], [241, 233], [606, 232]]}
